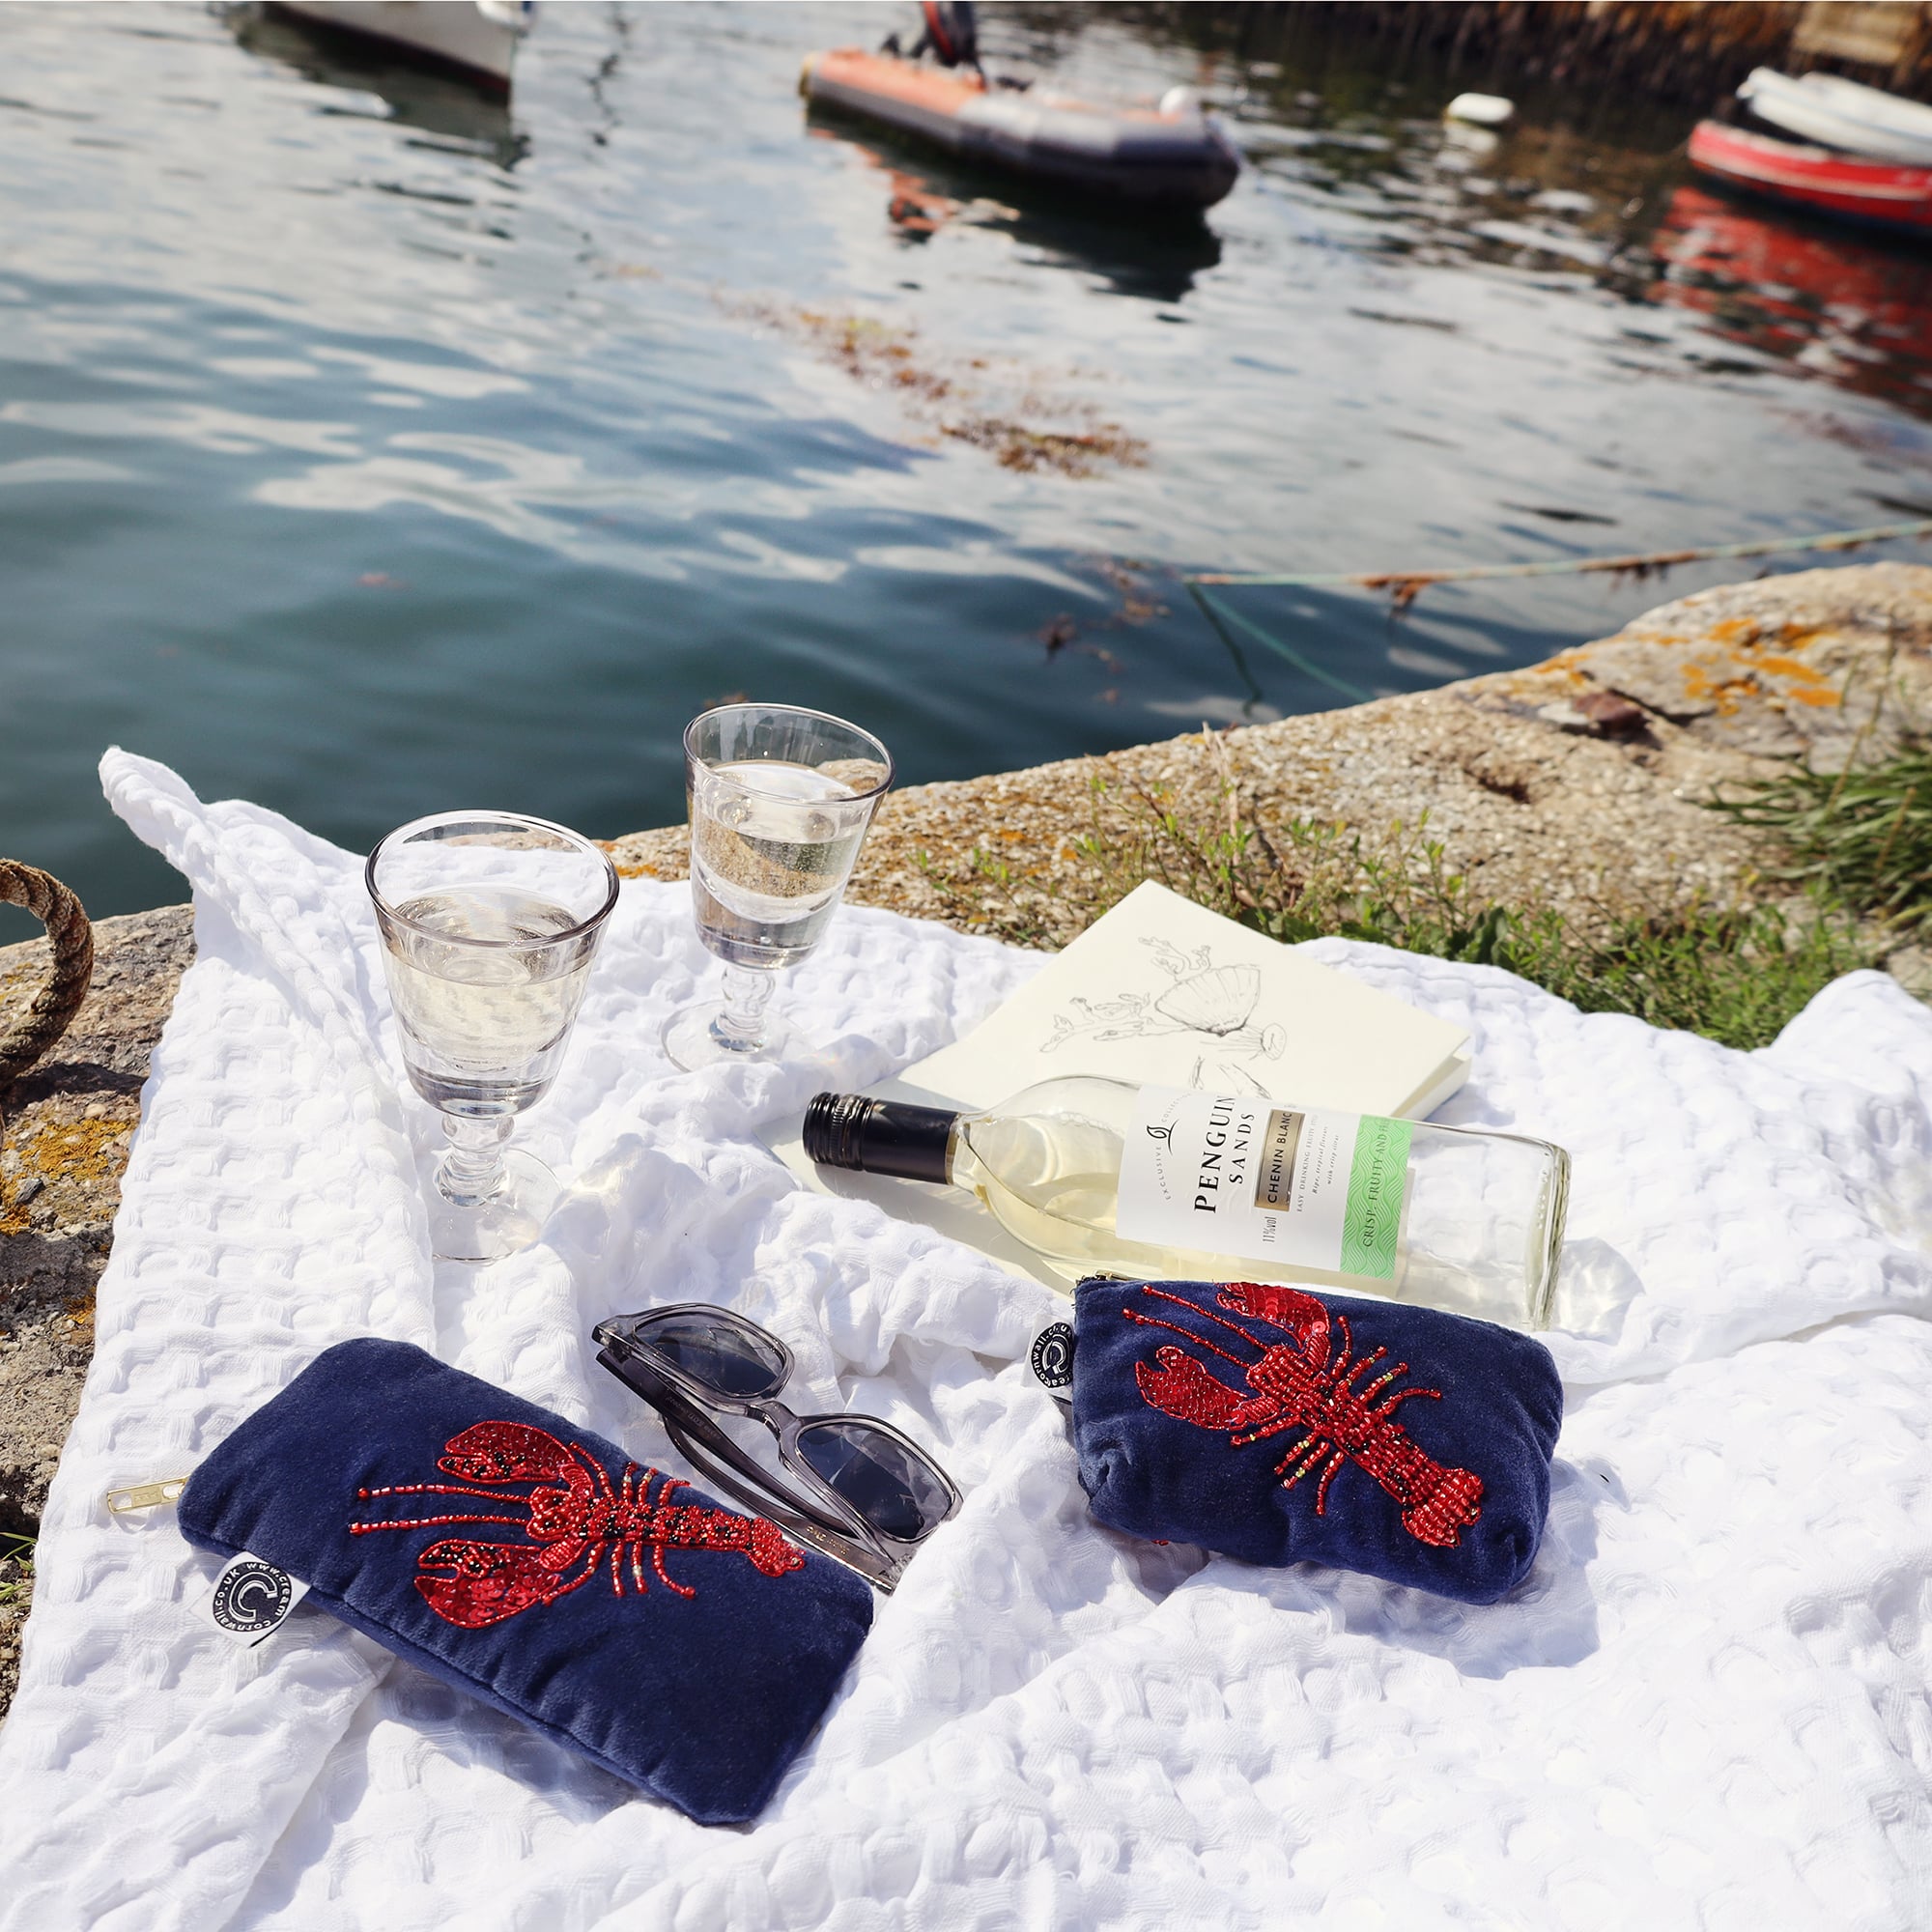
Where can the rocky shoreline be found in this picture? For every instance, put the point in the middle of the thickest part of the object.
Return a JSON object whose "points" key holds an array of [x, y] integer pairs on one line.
{"points": [[1575, 778], [1571, 781]]}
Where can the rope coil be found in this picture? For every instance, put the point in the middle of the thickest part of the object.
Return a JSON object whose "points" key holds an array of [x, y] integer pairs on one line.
{"points": [[1404, 586], [59, 999]]}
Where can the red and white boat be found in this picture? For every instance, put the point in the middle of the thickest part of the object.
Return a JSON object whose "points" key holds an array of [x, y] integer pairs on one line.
{"points": [[1839, 113], [1878, 194]]}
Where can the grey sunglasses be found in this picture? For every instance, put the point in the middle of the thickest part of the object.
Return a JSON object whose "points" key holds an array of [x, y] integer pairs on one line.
{"points": [[858, 1490]]}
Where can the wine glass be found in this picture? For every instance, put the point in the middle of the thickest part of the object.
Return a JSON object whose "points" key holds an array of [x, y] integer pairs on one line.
{"points": [[779, 802], [490, 922]]}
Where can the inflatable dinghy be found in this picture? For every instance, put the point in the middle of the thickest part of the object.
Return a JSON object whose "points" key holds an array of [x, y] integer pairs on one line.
{"points": [[1171, 155]]}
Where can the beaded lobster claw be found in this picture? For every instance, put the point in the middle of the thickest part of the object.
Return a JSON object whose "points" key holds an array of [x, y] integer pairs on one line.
{"points": [[577, 1526], [1297, 1384]]}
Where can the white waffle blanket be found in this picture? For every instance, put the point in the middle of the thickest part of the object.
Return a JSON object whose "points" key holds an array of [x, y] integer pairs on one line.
{"points": [[1708, 1707]]}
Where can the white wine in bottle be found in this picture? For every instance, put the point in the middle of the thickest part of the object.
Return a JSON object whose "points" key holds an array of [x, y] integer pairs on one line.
{"points": [[1100, 1176]]}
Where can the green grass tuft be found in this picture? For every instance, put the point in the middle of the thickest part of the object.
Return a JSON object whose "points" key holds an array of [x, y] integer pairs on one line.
{"points": [[1733, 972], [1864, 836], [17, 1553]]}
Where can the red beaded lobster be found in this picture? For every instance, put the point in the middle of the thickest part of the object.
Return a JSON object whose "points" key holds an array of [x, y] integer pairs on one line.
{"points": [[576, 1527], [1298, 1387]]}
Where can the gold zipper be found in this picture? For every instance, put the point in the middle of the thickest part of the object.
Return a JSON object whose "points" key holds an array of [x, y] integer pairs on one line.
{"points": [[145, 1495]]}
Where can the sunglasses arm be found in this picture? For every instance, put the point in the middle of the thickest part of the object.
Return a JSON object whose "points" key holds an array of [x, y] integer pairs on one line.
{"points": [[880, 1571], [720, 1460]]}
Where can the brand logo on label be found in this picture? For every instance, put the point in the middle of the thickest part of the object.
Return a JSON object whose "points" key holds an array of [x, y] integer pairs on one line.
{"points": [[1238, 1176], [1226, 1146], [251, 1597], [1053, 1355]]}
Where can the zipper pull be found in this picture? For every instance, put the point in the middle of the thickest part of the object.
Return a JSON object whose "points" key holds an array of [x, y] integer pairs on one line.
{"points": [[145, 1495]]}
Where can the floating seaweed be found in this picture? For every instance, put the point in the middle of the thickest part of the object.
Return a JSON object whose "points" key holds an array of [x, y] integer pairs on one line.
{"points": [[1026, 430]]}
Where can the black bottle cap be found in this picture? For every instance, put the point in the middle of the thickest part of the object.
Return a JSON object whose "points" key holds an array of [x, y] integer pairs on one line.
{"points": [[879, 1136]]}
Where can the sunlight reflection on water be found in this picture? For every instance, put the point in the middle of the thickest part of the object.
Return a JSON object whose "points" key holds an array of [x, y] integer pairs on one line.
{"points": [[366, 446]]}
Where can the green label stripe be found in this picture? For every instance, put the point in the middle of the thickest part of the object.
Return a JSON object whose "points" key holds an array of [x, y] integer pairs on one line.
{"points": [[1374, 1214]]}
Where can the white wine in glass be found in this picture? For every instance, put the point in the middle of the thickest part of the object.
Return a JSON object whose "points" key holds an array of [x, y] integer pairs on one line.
{"points": [[780, 800], [490, 922]]}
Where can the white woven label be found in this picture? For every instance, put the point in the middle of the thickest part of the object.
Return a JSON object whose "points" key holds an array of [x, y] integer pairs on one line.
{"points": [[251, 1599]]}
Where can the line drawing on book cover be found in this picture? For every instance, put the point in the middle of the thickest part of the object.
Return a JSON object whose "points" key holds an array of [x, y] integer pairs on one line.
{"points": [[1217, 1003]]}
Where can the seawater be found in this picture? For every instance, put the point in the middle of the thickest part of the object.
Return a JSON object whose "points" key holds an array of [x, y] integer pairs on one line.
{"points": [[367, 448]]}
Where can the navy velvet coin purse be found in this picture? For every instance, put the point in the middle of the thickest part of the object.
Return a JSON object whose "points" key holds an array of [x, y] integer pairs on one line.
{"points": [[1282, 1426], [688, 1648]]}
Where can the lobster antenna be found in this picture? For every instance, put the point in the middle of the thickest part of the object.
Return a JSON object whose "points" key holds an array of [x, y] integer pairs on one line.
{"points": [[1186, 1335], [435, 1489], [1195, 1308], [425, 1521]]}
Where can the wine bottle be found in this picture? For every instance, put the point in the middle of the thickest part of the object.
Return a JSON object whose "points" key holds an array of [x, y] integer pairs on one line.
{"points": [[1099, 1176]]}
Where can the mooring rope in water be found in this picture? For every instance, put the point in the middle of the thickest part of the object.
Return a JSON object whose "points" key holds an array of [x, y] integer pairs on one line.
{"points": [[1405, 586]]}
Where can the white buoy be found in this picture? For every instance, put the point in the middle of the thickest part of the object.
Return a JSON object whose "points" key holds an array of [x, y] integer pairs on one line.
{"points": [[1480, 110]]}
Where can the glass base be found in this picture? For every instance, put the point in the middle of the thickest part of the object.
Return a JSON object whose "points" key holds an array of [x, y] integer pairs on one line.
{"points": [[505, 1224], [694, 1036]]}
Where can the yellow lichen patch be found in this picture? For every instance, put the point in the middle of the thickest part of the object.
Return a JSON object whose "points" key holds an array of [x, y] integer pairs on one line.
{"points": [[1742, 632], [1726, 694], [1811, 685], [72, 1150], [1793, 667], [638, 872]]}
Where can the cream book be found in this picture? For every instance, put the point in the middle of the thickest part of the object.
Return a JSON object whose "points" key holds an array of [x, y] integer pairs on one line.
{"points": [[1161, 992]]}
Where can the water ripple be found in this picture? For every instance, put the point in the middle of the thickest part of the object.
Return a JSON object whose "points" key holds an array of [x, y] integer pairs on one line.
{"points": [[368, 444]]}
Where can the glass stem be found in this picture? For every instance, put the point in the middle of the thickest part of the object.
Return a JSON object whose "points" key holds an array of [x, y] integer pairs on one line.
{"points": [[472, 1170], [740, 1024]]}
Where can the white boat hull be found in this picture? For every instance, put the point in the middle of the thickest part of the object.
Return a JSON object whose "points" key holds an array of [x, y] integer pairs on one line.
{"points": [[482, 38], [1842, 114]]}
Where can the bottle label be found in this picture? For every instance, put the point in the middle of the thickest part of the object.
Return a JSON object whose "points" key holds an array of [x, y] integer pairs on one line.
{"points": [[1243, 1177]]}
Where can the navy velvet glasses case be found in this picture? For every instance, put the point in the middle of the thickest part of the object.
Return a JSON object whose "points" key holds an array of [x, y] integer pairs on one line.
{"points": [[1282, 1427], [688, 1648]]}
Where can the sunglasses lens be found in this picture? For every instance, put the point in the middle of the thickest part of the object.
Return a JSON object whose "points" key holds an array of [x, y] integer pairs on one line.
{"points": [[723, 1356], [895, 1489]]}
